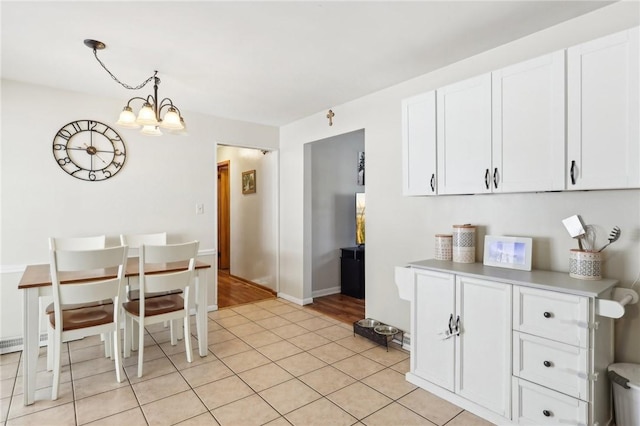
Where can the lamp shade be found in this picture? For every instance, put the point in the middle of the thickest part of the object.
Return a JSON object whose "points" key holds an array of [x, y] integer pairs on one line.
{"points": [[147, 116], [171, 120], [151, 131], [127, 119]]}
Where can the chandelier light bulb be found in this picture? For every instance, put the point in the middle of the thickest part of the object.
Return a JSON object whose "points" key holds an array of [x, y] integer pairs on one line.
{"points": [[171, 120], [147, 116], [127, 118], [150, 130]]}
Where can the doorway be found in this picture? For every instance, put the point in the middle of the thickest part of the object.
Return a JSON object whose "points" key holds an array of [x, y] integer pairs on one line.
{"points": [[247, 237], [224, 219]]}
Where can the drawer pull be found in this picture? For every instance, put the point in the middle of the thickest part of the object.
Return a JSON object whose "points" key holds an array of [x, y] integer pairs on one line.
{"points": [[547, 314], [547, 364], [546, 413]]}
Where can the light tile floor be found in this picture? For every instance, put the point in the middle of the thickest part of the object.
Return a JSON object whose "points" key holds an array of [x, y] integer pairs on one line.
{"points": [[269, 362]]}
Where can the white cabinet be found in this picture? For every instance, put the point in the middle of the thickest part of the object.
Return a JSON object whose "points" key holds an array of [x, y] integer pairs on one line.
{"points": [[603, 147], [419, 145], [514, 347], [464, 136], [504, 131], [528, 125], [560, 356], [462, 329]]}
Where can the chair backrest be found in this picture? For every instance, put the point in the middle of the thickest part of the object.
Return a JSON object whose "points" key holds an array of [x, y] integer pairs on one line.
{"points": [[94, 274], [182, 255], [134, 241], [78, 243]]}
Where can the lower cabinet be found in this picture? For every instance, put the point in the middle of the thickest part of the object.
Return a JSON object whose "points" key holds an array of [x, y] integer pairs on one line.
{"points": [[462, 338], [507, 349]]}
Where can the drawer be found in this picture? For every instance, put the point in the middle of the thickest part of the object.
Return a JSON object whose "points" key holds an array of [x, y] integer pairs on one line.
{"points": [[557, 316], [558, 366], [536, 405]]}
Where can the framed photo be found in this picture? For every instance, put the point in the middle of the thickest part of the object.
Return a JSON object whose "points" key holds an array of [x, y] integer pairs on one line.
{"points": [[508, 252], [249, 182], [361, 168]]}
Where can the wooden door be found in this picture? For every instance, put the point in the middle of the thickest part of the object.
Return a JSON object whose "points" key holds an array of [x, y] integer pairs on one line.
{"points": [[224, 217]]}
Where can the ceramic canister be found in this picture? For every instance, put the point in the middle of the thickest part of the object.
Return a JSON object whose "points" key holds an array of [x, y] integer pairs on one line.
{"points": [[444, 246], [464, 243], [585, 265]]}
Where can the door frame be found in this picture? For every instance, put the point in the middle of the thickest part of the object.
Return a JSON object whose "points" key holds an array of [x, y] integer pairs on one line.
{"points": [[224, 215]]}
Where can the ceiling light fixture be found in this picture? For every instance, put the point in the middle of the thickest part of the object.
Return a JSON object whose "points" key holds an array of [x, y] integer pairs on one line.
{"points": [[149, 116]]}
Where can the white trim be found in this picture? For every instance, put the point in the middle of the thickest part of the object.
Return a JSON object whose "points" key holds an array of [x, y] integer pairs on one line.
{"points": [[325, 292], [12, 269], [295, 300]]}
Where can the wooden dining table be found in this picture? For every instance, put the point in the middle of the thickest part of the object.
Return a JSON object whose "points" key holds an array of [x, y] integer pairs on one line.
{"points": [[36, 282]]}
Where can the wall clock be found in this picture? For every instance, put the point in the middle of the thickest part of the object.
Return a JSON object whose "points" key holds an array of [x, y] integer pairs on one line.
{"points": [[89, 150]]}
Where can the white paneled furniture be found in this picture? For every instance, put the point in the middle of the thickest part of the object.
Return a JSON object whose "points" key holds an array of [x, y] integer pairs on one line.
{"points": [[603, 113], [419, 145], [514, 347]]}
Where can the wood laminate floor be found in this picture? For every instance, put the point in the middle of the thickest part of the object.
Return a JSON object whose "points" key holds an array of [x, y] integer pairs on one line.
{"points": [[233, 292]]}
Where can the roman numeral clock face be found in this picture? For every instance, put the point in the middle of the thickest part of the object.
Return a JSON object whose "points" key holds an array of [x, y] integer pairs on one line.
{"points": [[89, 150]]}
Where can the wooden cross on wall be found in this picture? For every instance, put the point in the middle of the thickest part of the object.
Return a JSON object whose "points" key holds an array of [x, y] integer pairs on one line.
{"points": [[330, 116]]}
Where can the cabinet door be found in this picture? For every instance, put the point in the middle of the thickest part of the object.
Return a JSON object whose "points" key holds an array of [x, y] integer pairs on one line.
{"points": [[483, 348], [528, 126], [464, 136], [419, 145], [603, 113], [432, 352]]}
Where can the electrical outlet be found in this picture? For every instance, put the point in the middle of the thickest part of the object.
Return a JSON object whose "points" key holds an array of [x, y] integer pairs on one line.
{"points": [[199, 208]]}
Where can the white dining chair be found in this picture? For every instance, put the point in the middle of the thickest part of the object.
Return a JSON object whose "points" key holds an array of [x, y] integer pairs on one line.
{"points": [[134, 241], [146, 311], [94, 318], [73, 243]]}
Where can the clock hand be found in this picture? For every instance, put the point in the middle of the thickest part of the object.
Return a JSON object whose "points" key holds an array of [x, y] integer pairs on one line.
{"points": [[92, 151]]}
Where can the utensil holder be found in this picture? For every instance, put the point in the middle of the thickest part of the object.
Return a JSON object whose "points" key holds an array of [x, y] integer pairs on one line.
{"points": [[464, 243], [585, 265], [444, 246]]}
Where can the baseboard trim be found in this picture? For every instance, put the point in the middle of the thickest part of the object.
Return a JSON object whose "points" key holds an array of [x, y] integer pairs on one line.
{"points": [[295, 300], [326, 292], [260, 286], [16, 344]]}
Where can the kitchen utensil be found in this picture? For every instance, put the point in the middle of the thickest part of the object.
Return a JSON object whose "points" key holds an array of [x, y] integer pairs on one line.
{"points": [[589, 238], [575, 228], [613, 237]]}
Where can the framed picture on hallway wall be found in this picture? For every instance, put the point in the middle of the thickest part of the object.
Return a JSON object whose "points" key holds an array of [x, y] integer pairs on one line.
{"points": [[249, 182]]}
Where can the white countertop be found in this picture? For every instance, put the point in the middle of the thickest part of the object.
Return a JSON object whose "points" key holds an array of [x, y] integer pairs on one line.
{"points": [[545, 280]]}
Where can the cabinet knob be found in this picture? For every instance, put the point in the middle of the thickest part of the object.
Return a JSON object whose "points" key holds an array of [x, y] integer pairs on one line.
{"points": [[547, 364], [547, 314], [546, 413]]}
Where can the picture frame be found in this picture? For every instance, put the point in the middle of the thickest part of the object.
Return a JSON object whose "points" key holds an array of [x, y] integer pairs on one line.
{"points": [[249, 182], [508, 252]]}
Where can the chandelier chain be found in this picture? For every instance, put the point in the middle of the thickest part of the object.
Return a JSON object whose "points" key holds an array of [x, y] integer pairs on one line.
{"points": [[126, 86]]}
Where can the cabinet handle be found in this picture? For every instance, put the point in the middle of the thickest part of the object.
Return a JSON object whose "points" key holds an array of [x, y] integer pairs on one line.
{"points": [[546, 413], [547, 314], [572, 172], [458, 324], [433, 182], [495, 178], [486, 178], [547, 364]]}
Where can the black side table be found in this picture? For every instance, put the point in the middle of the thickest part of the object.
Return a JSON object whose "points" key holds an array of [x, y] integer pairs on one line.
{"points": [[352, 271]]}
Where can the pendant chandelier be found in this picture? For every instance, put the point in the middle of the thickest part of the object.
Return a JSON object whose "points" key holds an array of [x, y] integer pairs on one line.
{"points": [[150, 117]]}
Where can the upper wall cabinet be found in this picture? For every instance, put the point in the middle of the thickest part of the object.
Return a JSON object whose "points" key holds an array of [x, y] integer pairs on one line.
{"points": [[464, 136], [528, 125], [419, 145], [603, 149]]}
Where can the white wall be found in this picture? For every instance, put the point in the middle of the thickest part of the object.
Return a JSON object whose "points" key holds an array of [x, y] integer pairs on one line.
{"points": [[157, 190], [254, 236], [334, 183], [401, 229]]}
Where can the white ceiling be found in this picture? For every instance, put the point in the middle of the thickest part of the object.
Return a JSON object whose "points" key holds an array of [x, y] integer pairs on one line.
{"points": [[263, 62]]}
